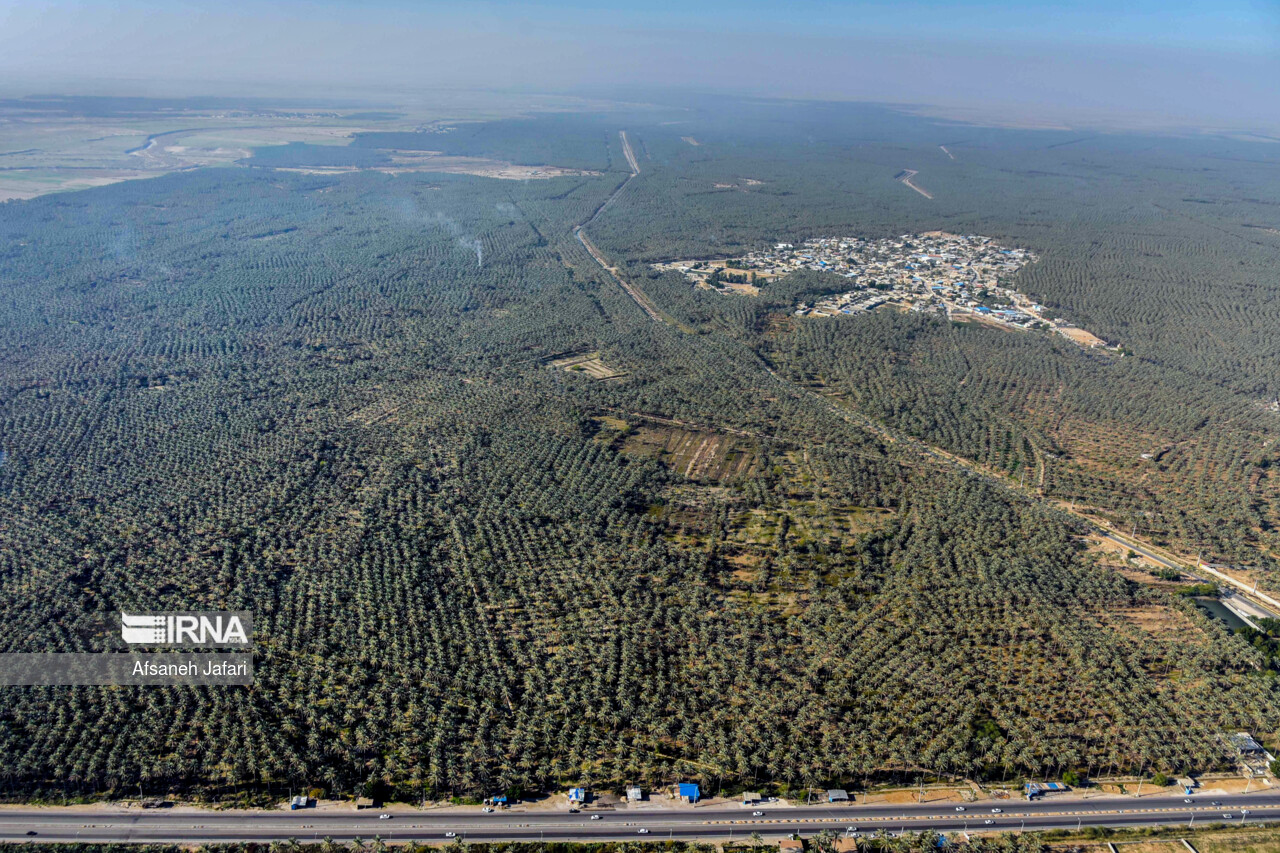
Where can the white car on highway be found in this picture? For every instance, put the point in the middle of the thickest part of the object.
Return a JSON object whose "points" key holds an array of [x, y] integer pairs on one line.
{"points": [[959, 808], [451, 835], [643, 832], [996, 811]]}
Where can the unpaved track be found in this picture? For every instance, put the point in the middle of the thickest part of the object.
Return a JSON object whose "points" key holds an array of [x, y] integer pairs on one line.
{"points": [[906, 175], [640, 299], [631, 155], [645, 303]]}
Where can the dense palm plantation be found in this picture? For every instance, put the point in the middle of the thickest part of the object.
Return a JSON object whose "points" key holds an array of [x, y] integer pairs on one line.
{"points": [[329, 400]]}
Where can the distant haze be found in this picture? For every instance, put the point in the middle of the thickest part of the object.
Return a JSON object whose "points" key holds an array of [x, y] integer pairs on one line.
{"points": [[1175, 63]]}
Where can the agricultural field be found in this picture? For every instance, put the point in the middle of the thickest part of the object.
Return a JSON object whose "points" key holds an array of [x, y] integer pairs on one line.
{"points": [[505, 525]]}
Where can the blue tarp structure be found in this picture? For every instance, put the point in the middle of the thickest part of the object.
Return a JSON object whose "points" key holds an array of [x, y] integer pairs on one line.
{"points": [[1035, 789], [578, 795], [499, 800], [689, 791]]}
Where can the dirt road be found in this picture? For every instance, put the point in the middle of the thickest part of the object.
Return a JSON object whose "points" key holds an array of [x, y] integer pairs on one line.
{"points": [[906, 175], [631, 155]]}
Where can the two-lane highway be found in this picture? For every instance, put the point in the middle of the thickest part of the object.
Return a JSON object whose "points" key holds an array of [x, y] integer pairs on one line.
{"points": [[188, 825]]}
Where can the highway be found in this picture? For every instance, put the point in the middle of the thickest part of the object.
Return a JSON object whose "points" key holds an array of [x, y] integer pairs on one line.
{"points": [[189, 825]]}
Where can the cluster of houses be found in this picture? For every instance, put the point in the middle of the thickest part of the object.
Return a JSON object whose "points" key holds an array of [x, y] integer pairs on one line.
{"points": [[949, 274]]}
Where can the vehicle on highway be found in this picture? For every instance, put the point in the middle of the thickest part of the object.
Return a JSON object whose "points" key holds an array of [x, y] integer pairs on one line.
{"points": [[1227, 815], [1215, 803], [988, 821], [384, 816], [487, 809], [573, 811], [757, 814], [959, 808], [1186, 801], [595, 817], [451, 835], [644, 832], [31, 832], [996, 811]]}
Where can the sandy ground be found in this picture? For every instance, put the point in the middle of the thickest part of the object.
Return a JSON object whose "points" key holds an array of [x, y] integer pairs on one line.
{"points": [[450, 165], [931, 795], [25, 185], [1084, 338]]}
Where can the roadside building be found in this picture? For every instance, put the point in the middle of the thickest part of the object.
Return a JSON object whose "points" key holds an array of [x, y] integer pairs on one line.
{"points": [[1245, 744], [836, 795], [577, 796], [750, 798], [689, 792], [634, 795], [1252, 759], [1187, 784], [299, 802]]}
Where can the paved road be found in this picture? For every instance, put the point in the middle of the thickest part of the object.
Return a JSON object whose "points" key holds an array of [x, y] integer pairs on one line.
{"points": [[194, 826], [1137, 548]]}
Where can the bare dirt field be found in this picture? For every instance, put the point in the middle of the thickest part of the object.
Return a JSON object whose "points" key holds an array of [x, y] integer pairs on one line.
{"points": [[588, 363], [931, 795], [695, 454], [24, 184], [428, 162], [1083, 337]]}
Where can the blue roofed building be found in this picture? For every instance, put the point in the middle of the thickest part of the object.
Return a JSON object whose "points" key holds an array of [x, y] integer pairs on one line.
{"points": [[688, 791]]}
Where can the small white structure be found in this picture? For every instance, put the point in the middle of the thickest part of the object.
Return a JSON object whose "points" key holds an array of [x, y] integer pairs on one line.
{"points": [[634, 795]]}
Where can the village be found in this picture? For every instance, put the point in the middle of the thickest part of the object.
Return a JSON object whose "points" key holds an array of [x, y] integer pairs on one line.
{"points": [[962, 277]]}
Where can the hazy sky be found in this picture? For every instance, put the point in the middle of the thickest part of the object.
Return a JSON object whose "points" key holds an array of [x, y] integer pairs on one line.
{"points": [[1196, 63]]}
